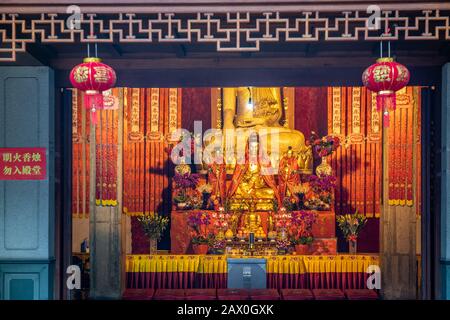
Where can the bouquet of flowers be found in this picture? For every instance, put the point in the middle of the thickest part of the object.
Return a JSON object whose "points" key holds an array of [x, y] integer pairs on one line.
{"points": [[283, 244], [199, 221], [323, 146], [300, 231], [220, 221], [186, 181], [321, 184], [217, 245], [282, 219], [320, 195], [351, 225], [194, 200], [153, 225]]}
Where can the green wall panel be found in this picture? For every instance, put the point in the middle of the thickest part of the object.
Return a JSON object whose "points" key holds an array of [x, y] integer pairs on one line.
{"points": [[27, 211]]}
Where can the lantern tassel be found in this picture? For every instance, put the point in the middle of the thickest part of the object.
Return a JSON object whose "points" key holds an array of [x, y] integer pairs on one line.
{"points": [[93, 102], [386, 119], [94, 117], [386, 101]]}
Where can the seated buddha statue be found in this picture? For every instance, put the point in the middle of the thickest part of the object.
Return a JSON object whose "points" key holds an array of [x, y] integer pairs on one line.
{"points": [[251, 220], [253, 185]]}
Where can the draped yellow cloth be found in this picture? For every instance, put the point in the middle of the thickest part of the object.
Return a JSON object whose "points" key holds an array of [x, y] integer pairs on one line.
{"points": [[275, 264]]}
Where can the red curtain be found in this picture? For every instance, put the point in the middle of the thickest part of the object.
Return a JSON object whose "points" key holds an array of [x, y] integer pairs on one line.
{"points": [[150, 115], [80, 156], [403, 178], [196, 104], [106, 149]]}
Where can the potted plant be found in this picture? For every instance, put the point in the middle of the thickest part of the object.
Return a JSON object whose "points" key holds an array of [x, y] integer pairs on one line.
{"points": [[351, 225], [200, 244], [300, 231], [302, 245], [199, 221], [183, 182], [153, 226], [181, 200]]}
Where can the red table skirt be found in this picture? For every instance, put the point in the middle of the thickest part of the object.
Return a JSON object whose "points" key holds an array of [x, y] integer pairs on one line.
{"points": [[331, 280], [188, 280], [175, 280]]}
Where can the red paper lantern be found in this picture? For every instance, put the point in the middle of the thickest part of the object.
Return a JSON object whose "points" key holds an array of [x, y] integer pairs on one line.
{"points": [[93, 77], [385, 77]]}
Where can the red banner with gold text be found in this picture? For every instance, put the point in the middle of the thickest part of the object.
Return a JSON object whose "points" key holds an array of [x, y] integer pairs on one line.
{"points": [[23, 164]]}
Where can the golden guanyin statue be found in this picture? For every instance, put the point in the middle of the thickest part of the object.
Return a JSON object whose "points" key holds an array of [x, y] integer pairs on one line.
{"points": [[253, 110]]}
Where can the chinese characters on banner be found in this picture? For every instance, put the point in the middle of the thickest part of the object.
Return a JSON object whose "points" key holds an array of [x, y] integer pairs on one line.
{"points": [[23, 164]]}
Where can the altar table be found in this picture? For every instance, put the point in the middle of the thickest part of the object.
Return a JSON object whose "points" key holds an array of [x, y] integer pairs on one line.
{"points": [[210, 271], [324, 231]]}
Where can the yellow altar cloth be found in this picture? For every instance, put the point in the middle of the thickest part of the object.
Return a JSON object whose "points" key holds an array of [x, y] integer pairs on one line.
{"points": [[275, 264]]}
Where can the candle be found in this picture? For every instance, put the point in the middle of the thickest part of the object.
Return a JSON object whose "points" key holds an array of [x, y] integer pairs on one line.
{"points": [[252, 238]]}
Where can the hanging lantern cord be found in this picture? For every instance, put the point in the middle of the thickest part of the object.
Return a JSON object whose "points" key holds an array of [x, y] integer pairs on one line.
{"points": [[88, 50], [96, 55]]}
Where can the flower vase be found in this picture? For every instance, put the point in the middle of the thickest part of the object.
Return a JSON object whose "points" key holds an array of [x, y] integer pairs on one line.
{"points": [[200, 248], [352, 246], [153, 246], [302, 249], [324, 169]]}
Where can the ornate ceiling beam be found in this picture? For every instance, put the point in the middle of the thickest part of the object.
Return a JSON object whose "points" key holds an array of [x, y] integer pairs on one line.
{"points": [[227, 32], [217, 6]]}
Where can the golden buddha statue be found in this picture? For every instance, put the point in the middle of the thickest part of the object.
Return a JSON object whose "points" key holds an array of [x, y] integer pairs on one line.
{"points": [[253, 185], [251, 220]]}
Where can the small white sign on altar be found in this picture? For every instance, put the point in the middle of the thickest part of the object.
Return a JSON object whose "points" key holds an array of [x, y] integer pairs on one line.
{"points": [[247, 273]]}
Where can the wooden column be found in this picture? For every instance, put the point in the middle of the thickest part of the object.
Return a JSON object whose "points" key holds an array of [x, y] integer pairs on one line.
{"points": [[105, 239], [398, 237]]}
